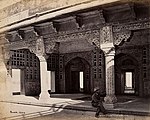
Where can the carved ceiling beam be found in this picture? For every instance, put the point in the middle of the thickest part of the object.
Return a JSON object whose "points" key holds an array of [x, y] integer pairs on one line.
{"points": [[132, 26]]}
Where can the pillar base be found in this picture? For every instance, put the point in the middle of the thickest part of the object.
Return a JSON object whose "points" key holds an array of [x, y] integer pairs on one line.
{"points": [[109, 106], [44, 95], [110, 99]]}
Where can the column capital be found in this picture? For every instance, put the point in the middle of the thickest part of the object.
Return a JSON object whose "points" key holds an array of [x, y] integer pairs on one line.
{"points": [[42, 58]]}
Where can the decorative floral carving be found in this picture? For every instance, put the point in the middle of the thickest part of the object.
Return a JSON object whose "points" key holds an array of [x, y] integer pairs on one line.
{"points": [[106, 34], [121, 36], [40, 48], [50, 47]]}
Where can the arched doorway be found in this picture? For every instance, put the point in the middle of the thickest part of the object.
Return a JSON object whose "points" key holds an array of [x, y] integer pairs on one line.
{"points": [[126, 75], [77, 76]]}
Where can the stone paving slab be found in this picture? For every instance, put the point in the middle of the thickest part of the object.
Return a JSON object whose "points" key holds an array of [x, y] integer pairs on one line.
{"points": [[133, 107]]}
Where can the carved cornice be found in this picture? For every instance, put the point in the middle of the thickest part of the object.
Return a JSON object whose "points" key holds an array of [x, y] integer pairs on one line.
{"points": [[132, 26], [121, 37]]}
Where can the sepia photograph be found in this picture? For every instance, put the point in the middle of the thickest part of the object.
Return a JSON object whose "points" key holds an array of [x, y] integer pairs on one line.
{"points": [[74, 59]]}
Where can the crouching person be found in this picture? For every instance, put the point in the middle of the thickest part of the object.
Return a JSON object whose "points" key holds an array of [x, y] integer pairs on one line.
{"points": [[97, 102]]}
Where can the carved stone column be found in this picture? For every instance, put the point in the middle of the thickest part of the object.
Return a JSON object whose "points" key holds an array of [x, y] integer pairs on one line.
{"points": [[107, 46], [40, 53], [110, 79], [44, 79]]}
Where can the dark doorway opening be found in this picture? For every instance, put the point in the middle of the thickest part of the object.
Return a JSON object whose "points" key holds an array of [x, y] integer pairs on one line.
{"points": [[126, 75], [77, 76]]}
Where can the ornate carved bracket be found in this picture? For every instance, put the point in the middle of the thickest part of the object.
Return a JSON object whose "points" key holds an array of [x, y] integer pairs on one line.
{"points": [[66, 24], [94, 38], [13, 36], [121, 37], [28, 33], [45, 28]]}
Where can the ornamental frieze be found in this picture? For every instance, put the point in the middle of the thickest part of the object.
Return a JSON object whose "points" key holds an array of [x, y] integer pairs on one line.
{"points": [[18, 45], [132, 26], [90, 36]]}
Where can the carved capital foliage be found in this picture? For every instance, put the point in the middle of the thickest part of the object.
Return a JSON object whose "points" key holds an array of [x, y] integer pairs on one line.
{"points": [[51, 47], [106, 34], [121, 37]]}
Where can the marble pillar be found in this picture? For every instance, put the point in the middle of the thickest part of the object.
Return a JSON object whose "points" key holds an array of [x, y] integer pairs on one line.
{"points": [[44, 79], [110, 80]]}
